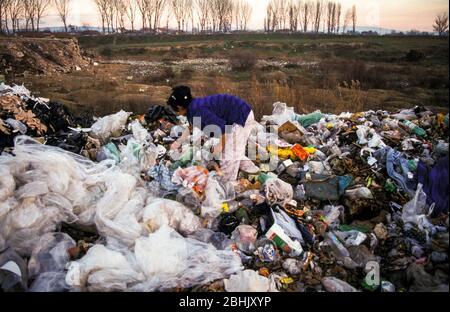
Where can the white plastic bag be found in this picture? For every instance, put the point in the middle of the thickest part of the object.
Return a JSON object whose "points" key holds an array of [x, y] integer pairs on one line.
{"points": [[110, 126], [160, 212], [247, 281], [278, 192], [102, 269], [216, 193], [351, 238], [415, 210], [170, 260], [332, 284]]}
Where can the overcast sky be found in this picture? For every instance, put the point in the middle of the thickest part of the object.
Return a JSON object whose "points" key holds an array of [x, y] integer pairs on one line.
{"points": [[391, 14]]}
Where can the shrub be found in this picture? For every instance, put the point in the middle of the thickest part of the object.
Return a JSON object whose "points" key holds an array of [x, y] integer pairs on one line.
{"points": [[242, 61], [414, 56], [106, 51]]}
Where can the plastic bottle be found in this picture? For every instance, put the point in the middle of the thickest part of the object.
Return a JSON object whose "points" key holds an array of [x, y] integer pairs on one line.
{"points": [[336, 245], [415, 129]]}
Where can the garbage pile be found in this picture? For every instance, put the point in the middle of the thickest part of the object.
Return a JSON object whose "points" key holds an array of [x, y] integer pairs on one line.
{"points": [[24, 56], [342, 203], [48, 122]]}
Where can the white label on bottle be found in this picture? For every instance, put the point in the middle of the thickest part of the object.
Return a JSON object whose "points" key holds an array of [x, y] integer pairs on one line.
{"points": [[12, 267]]}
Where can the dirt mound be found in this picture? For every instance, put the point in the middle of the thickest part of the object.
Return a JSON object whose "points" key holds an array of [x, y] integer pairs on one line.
{"points": [[23, 56]]}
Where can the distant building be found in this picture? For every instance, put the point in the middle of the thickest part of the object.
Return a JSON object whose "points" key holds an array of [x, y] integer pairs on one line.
{"points": [[369, 33]]}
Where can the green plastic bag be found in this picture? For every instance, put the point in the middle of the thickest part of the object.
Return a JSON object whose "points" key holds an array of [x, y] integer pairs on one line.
{"points": [[309, 120]]}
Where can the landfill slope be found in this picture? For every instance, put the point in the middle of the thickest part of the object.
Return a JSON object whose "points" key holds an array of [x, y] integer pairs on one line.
{"points": [[341, 203], [22, 56]]}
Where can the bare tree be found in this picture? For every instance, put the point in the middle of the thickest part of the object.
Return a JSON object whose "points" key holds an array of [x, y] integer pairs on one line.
{"points": [[441, 24], [177, 9], [333, 17], [306, 14], [102, 7], [3, 14], [329, 16], [16, 9], [268, 19], [120, 7], [202, 7], [131, 11], [347, 20], [110, 15], [221, 15], [317, 15], [294, 14], [242, 12], [338, 17], [29, 14], [40, 9], [63, 8], [158, 8], [354, 18], [142, 5], [168, 17], [246, 15]]}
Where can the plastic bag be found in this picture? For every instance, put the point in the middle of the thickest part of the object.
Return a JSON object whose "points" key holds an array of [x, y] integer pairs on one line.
{"points": [[245, 238], [51, 254], [195, 178], [117, 210], [216, 194], [310, 119], [170, 260], [332, 284], [137, 157], [358, 193], [102, 269], [351, 238], [50, 282], [162, 212], [292, 266], [110, 126], [278, 191], [7, 184], [13, 271], [247, 281], [140, 134], [414, 210], [281, 114]]}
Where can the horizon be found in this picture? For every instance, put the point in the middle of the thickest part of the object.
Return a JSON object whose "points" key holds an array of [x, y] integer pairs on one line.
{"points": [[371, 13]]}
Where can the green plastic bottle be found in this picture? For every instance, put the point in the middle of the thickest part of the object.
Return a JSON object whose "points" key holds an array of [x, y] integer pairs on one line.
{"points": [[415, 128]]}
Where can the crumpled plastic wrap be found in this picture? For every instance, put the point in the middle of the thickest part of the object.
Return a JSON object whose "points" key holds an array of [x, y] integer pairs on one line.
{"points": [[110, 126], [216, 193], [45, 186], [163, 212], [164, 260], [102, 269], [48, 262], [278, 191], [248, 281]]}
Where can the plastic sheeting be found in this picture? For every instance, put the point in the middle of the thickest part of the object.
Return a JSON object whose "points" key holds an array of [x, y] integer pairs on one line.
{"points": [[164, 260]]}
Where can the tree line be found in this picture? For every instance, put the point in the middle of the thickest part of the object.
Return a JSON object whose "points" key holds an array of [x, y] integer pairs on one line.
{"points": [[201, 16], [17, 15], [309, 16]]}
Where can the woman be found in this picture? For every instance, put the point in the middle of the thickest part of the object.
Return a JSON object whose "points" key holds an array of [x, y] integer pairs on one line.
{"points": [[232, 115]]}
